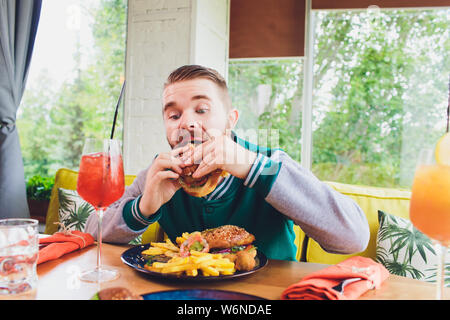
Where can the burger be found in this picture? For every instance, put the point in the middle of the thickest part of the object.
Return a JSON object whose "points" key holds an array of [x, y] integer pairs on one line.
{"points": [[227, 237], [235, 243], [202, 186]]}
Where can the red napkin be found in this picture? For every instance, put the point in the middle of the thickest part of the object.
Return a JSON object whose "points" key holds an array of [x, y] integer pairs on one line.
{"points": [[339, 281], [60, 243]]}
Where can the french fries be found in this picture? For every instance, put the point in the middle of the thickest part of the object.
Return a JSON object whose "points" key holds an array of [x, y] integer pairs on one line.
{"points": [[209, 265], [196, 263], [167, 245], [167, 248]]}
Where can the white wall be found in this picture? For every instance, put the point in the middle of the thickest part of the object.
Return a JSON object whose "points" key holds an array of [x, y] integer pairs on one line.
{"points": [[163, 35]]}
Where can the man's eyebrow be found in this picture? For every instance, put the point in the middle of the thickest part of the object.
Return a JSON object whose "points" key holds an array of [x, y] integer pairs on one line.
{"points": [[169, 105], [196, 97], [200, 96]]}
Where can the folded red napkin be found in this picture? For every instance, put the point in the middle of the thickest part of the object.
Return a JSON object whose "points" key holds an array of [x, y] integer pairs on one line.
{"points": [[61, 243], [348, 279]]}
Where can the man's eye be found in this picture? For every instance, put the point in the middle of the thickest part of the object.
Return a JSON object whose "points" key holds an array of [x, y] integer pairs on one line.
{"points": [[174, 117], [202, 110]]}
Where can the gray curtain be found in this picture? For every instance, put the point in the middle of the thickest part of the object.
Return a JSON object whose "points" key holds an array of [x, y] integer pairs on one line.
{"points": [[18, 25]]}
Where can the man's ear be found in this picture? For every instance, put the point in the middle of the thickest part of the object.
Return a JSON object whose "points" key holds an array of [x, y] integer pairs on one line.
{"points": [[233, 117]]}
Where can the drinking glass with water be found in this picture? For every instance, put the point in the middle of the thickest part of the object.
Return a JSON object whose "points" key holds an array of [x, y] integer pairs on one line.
{"points": [[19, 246]]}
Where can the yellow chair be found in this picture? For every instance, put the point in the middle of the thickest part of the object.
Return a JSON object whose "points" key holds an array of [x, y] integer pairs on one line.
{"points": [[300, 237], [67, 179], [370, 199]]}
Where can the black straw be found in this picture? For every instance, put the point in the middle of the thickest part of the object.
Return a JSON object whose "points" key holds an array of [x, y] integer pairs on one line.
{"points": [[117, 109]]}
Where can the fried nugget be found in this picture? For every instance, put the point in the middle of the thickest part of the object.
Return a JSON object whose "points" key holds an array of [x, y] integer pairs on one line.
{"points": [[245, 260]]}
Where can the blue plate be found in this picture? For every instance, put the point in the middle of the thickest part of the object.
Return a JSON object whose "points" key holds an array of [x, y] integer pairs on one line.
{"points": [[199, 294], [133, 258]]}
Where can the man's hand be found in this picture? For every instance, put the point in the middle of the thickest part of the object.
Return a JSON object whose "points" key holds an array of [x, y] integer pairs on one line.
{"points": [[220, 152], [161, 182]]}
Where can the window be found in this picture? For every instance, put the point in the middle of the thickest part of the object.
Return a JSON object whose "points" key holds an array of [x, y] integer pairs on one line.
{"points": [[380, 92], [74, 82], [268, 95]]}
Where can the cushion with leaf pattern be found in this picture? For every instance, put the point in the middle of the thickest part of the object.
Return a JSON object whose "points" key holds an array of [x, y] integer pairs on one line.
{"points": [[405, 251], [74, 211]]}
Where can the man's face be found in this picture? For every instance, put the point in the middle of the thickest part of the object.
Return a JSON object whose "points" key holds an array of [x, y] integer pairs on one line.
{"points": [[194, 110]]}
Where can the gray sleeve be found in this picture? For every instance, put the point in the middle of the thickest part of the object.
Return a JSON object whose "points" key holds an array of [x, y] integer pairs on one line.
{"points": [[114, 227], [332, 219]]}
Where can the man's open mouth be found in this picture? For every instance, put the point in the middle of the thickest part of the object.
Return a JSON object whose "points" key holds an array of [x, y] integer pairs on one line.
{"points": [[189, 180], [183, 137], [183, 141], [196, 182]]}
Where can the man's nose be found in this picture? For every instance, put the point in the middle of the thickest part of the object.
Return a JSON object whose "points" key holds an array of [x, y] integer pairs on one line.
{"points": [[189, 123]]}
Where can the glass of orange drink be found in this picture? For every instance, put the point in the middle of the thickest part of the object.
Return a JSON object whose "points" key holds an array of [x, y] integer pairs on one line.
{"points": [[430, 202]]}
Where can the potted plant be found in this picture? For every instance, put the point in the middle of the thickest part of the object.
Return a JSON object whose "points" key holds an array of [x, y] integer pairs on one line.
{"points": [[39, 190]]}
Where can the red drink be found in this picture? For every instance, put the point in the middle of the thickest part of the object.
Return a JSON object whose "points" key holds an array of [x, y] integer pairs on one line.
{"points": [[101, 179]]}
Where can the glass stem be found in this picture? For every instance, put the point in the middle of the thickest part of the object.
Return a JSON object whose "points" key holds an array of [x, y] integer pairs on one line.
{"points": [[99, 238], [440, 277]]}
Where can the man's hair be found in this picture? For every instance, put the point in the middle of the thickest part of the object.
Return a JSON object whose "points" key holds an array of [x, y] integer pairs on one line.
{"points": [[191, 72]]}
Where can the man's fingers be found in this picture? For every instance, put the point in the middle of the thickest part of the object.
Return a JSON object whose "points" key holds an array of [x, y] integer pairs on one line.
{"points": [[163, 175], [206, 166], [186, 157], [202, 151], [199, 152], [176, 184], [179, 151], [171, 164]]}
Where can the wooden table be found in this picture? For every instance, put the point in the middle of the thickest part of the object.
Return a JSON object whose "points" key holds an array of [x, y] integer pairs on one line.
{"points": [[58, 279]]}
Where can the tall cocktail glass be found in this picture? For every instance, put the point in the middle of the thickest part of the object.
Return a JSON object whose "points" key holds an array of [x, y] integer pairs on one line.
{"points": [[430, 207], [101, 183]]}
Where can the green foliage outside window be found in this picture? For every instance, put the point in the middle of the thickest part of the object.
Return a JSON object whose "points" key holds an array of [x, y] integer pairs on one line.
{"points": [[389, 96], [279, 116], [53, 125], [39, 188], [380, 93]]}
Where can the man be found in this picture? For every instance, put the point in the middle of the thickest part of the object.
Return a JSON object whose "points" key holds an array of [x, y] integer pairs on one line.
{"points": [[265, 192]]}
